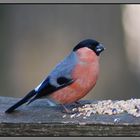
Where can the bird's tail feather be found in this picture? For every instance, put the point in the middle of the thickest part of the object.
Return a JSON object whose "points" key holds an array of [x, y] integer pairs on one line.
{"points": [[22, 101], [31, 100]]}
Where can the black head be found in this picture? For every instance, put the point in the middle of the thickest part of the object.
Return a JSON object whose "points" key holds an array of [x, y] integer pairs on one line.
{"points": [[91, 44]]}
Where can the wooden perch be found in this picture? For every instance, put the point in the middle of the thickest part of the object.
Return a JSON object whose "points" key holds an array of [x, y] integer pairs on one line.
{"points": [[38, 119]]}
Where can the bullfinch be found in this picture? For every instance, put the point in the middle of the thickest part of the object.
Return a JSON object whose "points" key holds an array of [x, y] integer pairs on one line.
{"points": [[71, 79]]}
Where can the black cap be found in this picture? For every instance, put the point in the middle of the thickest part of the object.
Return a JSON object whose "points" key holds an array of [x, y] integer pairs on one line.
{"points": [[92, 44]]}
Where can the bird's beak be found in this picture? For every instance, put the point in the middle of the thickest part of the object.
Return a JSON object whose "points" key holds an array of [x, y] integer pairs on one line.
{"points": [[99, 49]]}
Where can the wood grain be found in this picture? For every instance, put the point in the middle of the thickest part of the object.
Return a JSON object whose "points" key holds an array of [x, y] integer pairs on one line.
{"points": [[38, 119]]}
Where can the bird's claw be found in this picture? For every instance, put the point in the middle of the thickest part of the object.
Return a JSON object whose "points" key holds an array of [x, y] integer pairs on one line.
{"points": [[68, 111]]}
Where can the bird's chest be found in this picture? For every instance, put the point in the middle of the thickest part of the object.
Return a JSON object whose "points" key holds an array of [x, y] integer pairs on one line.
{"points": [[86, 74], [87, 70]]}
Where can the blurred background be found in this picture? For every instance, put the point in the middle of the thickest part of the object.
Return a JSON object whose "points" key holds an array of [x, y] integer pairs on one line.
{"points": [[34, 38]]}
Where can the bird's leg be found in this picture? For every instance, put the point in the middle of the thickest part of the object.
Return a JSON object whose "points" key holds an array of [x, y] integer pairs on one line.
{"points": [[66, 110]]}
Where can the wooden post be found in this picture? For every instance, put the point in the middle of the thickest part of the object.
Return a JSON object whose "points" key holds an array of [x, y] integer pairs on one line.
{"points": [[38, 119]]}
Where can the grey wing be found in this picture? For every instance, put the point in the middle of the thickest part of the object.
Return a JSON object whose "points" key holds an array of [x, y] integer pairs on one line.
{"points": [[63, 70], [60, 77]]}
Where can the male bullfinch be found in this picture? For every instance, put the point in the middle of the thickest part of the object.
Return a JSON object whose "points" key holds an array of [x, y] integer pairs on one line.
{"points": [[71, 79]]}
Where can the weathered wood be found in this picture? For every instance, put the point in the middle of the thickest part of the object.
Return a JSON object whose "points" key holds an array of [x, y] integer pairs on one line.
{"points": [[38, 119]]}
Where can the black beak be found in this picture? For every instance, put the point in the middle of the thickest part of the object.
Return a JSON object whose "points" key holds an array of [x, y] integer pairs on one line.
{"points": [[99, 49]]}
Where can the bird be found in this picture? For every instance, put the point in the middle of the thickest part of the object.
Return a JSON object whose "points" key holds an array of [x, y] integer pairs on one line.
{"points": [[71, 79]]}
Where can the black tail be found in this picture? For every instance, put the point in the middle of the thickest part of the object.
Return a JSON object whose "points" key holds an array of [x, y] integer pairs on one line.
{"points": [[22, 101]]}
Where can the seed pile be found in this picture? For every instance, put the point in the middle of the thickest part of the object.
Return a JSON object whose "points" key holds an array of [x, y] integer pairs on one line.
{"points": [[108, 107]]}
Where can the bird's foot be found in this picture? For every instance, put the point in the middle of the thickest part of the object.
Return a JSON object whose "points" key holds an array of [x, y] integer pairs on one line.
{"points": [[68, 111]]}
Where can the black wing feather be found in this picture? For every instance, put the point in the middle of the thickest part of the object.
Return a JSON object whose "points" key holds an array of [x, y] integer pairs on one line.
{"points": [[47, 88]]}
